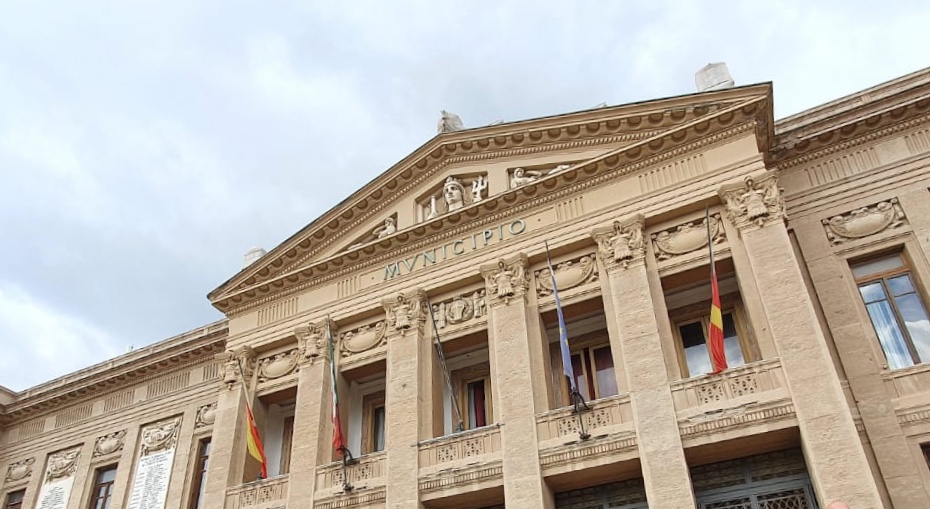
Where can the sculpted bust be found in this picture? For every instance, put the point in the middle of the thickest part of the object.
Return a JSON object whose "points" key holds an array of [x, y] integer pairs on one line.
{"points": [[453, 192]]}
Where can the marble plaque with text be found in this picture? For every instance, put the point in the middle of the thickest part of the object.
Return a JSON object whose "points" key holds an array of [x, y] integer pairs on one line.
{"points": [[150, 486], [55, 495]]}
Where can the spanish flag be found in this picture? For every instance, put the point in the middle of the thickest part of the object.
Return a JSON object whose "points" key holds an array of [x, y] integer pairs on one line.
{"points": [[256, 450], [717, 352]]}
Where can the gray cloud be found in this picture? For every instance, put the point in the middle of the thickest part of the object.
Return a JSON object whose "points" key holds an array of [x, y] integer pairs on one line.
{"points": [[144, 146]]}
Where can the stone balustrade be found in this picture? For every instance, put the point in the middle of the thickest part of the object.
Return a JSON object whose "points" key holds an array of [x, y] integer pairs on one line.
{"points": [[467, 446], [735, 384], [264, 494], [604, 415], [365, 472], [452, 464]]}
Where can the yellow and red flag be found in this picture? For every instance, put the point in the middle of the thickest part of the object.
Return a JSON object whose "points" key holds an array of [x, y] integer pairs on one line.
{"points": [[256, 450], [718, 354]]}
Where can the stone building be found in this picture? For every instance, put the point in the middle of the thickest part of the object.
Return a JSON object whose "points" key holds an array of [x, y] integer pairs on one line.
{"points": [[820, 227]]}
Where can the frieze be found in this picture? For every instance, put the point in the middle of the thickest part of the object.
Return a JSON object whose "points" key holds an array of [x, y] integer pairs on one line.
{"points": [[621, 244], [160, 436], [754, 203], [568, 274], [109, 444], [687, 238], [864, 222], [206, 416], [61, 465], [460, 309], [19, 471], [363, 338], [278, 365], [506, 279], [522, 176]]}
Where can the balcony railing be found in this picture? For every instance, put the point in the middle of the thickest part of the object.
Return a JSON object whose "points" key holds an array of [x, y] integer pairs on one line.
{"points": [[264, 494], [465, 447], [605, 416], [367, 471], [747, 382]]}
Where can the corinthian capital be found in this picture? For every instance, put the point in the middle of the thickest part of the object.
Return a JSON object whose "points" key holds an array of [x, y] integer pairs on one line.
{"points": [[621, 244], [406, 311], [311, 340], [755, 202], [506, 279], [237, 363]]}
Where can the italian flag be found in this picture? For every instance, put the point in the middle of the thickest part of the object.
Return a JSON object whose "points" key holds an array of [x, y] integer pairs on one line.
{"points": [[339, 442]]}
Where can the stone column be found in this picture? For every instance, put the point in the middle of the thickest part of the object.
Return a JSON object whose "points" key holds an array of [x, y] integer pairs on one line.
{"points": [[228, 448], [408, 395], [621, 252], [518, 378], [835, 458], [312, 442]]}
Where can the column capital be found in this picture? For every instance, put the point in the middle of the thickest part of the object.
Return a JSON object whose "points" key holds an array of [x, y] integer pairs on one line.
{"points": [[311, 340], [755, 202], [621, 244], [243, 357], [406, 312], [506, 279]]}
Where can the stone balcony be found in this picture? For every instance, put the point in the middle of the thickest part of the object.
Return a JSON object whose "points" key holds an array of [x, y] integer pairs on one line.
{"points": [[720, 407], [909, 391], [367, 473], [264, 494], [461, 463]]}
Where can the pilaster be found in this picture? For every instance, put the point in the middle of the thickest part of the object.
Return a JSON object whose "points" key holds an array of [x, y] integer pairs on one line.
{"points": [[835, 458], [123, 483], [626, 287], [81, 474], [514, 334], [408, 395]]}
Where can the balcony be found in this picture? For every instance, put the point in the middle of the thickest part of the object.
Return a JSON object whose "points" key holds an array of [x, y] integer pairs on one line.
{"points": [[264, 494], [909, 389], [461, 462], [752, 395], [366, 472]]}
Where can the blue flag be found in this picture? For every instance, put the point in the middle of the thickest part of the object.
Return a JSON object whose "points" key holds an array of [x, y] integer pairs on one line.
{"points": [[563, 330]]}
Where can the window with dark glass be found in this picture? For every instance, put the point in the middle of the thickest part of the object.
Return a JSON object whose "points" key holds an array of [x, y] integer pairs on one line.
{"points": [[473, 387], [594, 372], [374, 419], [694, 350], [200, 474], [14, 500], [103, 487], [896, 310]]}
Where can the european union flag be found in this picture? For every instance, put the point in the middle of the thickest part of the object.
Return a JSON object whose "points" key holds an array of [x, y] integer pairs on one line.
{"points": [[563, 330]]}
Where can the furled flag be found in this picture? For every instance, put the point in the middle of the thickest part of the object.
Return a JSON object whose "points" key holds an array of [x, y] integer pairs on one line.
{"points": [[567, 367], [339, 442], [256, 450], [717, 352]]}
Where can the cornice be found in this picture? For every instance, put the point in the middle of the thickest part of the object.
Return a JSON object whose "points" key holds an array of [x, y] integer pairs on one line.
{"points": [[632, 121], [621, 162], [131, 368]]}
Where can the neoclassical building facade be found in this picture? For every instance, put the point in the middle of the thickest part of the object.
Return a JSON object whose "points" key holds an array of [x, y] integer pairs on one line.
{"points": [[433, 287]]}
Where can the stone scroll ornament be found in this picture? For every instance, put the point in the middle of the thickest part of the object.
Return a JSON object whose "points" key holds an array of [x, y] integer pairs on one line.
{"points": [[363, 338], [686, 238], [568, 274], [160, 436], [19, 471], [109, 444], [278, 365], [754, 203], [506, 279], [406, 312], [61, 465], [206, 416], [621, 244], [864, 222]]}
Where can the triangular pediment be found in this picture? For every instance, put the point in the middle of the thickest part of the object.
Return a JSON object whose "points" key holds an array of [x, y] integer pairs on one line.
{"points": [[458, 176]]}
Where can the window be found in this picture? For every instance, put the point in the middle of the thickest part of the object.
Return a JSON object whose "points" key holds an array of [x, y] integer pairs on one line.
{"points": [[473, 392], [14, 500], [103, 487], [694, 352], [373, 417], [925, 448], [896, 310], [287, 440], [594, 372], [200, 473]]}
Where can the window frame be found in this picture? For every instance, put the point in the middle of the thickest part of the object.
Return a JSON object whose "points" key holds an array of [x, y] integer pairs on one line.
{"points": [[201, 461], [9, 503], [460, 380], [287, 443], [370, 403], [700, 312], [584, 345], [882, 277], [95, 489]]}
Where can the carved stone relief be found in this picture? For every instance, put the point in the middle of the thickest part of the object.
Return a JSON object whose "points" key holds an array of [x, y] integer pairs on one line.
{"points": [[363, 338], [160, 436], [755, 202], [456, 192], [311, 341], [621, 244], [568, 274], [522, 176], [206, 416], [109, 444], [238, 363], [19, 471], [278, 365], [460, 309], [506, 279], [864, 222], [686, 238], [61, 464], [406, 311]]}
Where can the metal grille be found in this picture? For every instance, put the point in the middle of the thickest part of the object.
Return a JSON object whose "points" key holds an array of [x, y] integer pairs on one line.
{"points": [[791, 499], [777, 480], [619, 495]]}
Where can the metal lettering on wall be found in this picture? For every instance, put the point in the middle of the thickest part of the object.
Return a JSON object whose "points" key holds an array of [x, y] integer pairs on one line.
{"points": [[455, 248]]}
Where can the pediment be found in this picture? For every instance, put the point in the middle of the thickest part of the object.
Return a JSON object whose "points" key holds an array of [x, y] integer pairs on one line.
{"points": [[457, 177]]}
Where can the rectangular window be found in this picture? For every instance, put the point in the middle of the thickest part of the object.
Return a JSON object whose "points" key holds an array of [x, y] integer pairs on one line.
{"points": [[473, 394], [694, 350], [103, 487], [373, 417], [14, 500], [200, 474], [896, 310], [287, 440], [594, 372]]}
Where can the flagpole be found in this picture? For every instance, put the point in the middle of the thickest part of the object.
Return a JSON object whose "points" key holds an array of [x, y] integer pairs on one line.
{"points": [[460, 424], [347, 457], [248, 405], [577, 399]]}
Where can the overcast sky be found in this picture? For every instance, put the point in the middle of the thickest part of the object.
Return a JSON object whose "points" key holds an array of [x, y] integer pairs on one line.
{"points": [[146, 145]]}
